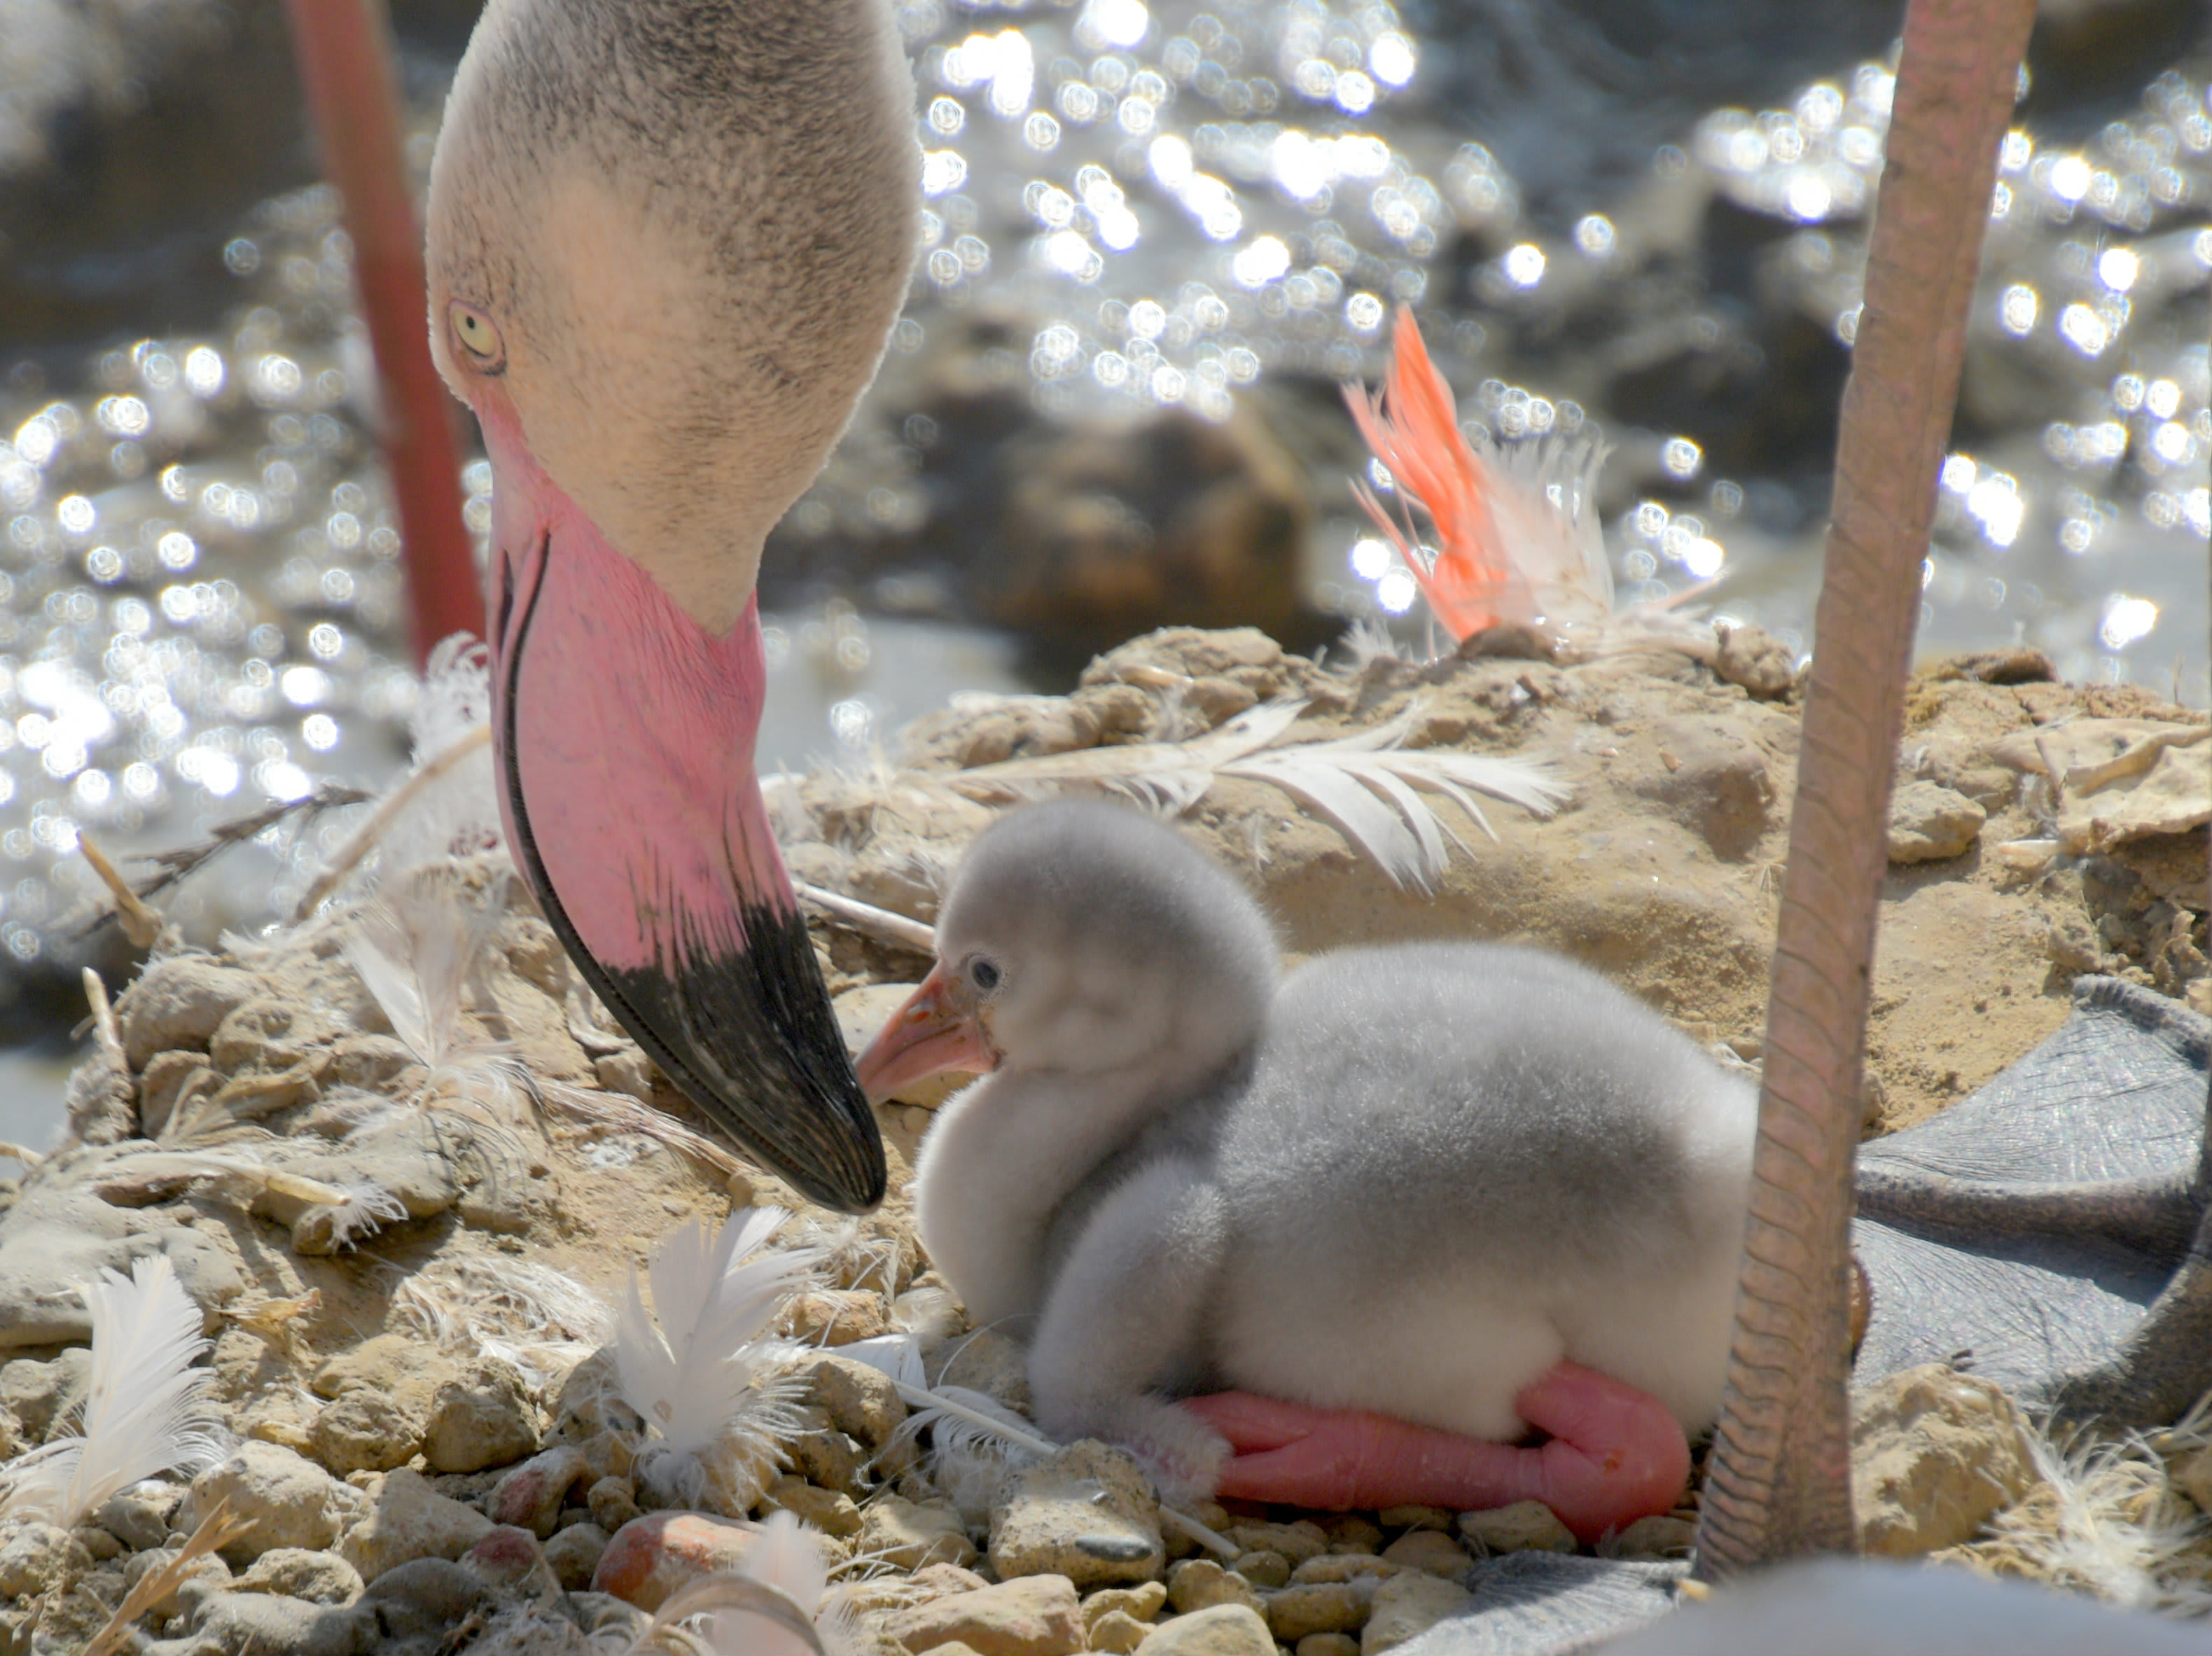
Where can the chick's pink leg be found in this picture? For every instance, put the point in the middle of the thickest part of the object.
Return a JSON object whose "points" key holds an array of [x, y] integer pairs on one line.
{"points": [[1616, 1454]]}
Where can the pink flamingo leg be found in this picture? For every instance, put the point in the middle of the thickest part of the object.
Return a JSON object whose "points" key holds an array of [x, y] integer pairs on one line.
{"points": [[1616, 1454]]}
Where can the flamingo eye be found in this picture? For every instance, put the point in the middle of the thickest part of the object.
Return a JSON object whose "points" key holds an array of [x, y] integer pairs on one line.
{"points": [[479, 337], [984, 973]]}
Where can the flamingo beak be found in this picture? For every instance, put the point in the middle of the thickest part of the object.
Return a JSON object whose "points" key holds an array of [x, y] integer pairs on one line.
{"points": [[939, 1027], [624, 738]]}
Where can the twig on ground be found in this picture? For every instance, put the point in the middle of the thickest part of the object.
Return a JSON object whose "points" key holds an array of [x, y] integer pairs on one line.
{"points": [[869, 921]]}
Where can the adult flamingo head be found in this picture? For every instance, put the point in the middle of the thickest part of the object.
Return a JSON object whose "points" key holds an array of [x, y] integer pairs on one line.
{"points": [[668, 241]]}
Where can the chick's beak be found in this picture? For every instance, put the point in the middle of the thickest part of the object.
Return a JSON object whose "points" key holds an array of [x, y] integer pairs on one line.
{"points": [[939, 1027]]}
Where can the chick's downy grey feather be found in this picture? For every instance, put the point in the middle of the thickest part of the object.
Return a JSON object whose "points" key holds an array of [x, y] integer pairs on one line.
{"points": [[1408, 1180]]}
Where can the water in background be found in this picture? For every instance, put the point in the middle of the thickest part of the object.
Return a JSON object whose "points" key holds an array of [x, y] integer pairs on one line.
{"points": [[1158, 238]]}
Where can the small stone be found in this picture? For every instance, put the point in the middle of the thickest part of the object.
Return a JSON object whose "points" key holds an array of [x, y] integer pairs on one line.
{"points": [[509, 1562], [1264, 1569], [1140, 1603], [1035, 1615], [1659, 1537], [827, 1511], [179, 1002], [575, 1554], [1329, 1644], [203, 1574], [139, 1516], [238, 1622], [1524, 1527], [98, 1542], [1199, 1584], [650, 1557], [1085, 1512], [365, 1431], [1415, 1518], [2071, 943], [1296, 1542], [294, 1502], [906, 1534], [320, 1578], [1352, 1532], [625, 1071], [1407, 1605], [39, 1558], [40, 1393], [530, 1496], [830, 1460], [1221, 1630], [1116, 1631], [1433, 1550], [1934, 1455], [988, 1361], [1320, 1607], [425, 1595], [408, 1519], [484, 1417], [833, 1317], [613, 1501], [1929, 822], [1344, 1566]]}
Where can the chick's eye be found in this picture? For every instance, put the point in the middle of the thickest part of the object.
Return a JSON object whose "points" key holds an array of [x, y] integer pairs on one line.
{"points": [[479, 337], [984, 974]]}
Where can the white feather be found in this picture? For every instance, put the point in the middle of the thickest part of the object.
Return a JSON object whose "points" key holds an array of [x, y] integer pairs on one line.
{"points": [[701, 1366], [1365, 783], [458, 813], [147, 1411], [367, 1210]]}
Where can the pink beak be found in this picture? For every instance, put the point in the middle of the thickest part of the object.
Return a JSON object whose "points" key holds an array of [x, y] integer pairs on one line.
{"points": [[937, 1030], [624, 739]]}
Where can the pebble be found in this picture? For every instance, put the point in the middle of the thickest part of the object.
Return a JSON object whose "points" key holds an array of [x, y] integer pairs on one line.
{"points": [[1264, 1569], [532, 1495], [37, 1557], [1035, 1615], [97, 1542], [1221, 1630], [1085, 1513], [1433, 1550], [139, 1516], [510, 1562], [1328, 1644], [989, 1362], [833, 1317], [1929, 822], [1660, 1537], [1141, 1603], [828, 1511], [484, 1417], [1408, 1605], [1524, 1527], [1319, 1607], [830, 1458], [365, 1431], [650, 1557], [1199, 1584], [1352, 1532], [936, 1580], [613, 1501], [179, 1002], [320, 1578], [1342, 1567], [575, 1554], [906, 1534], [295, 1503], [1296, 1542], [862, 1402], [205, 1573], [38, 1393], [1116, 1631], [407, 1520], [237, 1624], [424, 1596], [1934, 1454]]}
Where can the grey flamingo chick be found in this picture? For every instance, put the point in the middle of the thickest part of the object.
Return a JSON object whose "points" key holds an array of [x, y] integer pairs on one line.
{"points": [[1407, 1205]]}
